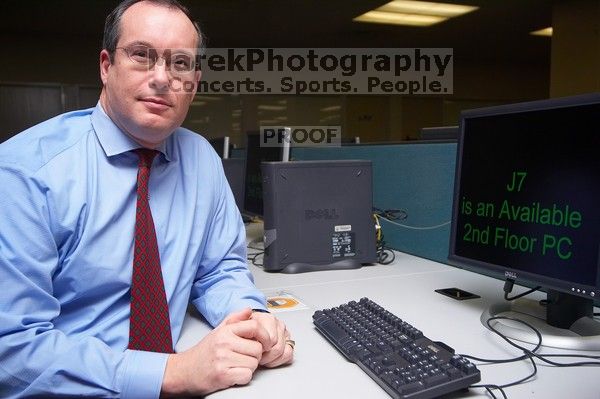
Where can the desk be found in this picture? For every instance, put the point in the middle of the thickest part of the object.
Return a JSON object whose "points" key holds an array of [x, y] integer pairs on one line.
{"points": [[406, 288]]}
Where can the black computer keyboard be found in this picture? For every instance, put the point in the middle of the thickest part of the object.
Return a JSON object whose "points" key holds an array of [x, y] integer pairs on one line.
{"points": [[392, 352]]}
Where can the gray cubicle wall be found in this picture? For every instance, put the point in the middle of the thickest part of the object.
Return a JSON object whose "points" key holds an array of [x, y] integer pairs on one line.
{"points": [[415, 177]]}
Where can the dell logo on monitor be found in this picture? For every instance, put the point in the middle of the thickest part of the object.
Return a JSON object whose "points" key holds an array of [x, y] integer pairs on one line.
{"points": [[320, 214]]}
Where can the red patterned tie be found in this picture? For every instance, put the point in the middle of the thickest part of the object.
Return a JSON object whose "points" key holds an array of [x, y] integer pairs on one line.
{"points": [[149, 326]]}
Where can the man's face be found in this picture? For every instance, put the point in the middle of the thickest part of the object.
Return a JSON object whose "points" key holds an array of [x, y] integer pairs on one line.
{"points": [[148, 103]]}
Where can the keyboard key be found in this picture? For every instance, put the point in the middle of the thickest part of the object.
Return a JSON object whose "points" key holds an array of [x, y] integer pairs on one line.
{"points": [[454, 373], [413, 387], [436, 379]]}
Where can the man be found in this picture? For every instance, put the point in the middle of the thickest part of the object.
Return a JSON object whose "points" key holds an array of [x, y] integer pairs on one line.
{"points": [[75, 190]]}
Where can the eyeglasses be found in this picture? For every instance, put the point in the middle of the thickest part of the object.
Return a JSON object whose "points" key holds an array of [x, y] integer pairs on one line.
{"points": [[178, 63]]}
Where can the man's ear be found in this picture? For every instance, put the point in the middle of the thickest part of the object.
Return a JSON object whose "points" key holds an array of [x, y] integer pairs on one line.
{"points": [[104, 65]]}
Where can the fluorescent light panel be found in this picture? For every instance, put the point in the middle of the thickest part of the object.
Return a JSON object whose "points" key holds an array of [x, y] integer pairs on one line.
{"points": [[543, 32], [269, 122], [426, 8], [265, 107], [332, 108], [394, 18], [413, 13]]}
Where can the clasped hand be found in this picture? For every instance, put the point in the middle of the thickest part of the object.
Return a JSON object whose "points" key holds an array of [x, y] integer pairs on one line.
{"points": [[228, 355]]}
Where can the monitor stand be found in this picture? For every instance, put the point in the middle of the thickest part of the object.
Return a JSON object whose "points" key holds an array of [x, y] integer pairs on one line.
{"points": [[580, 332]]}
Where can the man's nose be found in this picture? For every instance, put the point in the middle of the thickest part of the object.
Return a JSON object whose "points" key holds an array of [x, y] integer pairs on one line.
{"points": [[160, 75]]}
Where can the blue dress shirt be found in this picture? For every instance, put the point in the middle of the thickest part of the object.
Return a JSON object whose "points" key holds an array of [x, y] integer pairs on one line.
{"points": [[67, 216]]}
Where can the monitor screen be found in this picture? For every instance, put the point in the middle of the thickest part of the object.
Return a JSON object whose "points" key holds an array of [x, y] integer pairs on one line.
{"points": [[255, 155], [527, 194]]}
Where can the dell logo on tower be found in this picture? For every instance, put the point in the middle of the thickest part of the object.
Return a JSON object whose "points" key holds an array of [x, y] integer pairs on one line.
{"points": [[320, 214]]}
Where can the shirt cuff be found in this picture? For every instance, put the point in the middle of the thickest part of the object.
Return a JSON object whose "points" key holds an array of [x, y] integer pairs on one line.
{"points": [[144, 374]]}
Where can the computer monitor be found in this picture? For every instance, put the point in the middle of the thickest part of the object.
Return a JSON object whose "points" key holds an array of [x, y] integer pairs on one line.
{"points": [[222, 146], [256, 153], [350, 140], [527, 208], [235, 172], [439, 133]]}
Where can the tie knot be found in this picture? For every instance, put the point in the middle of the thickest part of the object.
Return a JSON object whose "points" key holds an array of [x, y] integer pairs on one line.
{"points": [[146, 156]]}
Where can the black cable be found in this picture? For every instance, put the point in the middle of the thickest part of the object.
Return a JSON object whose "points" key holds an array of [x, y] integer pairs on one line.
{"points": [[521, 295], [508, 286], [532, 353], [391, 214], [496, 361], [489, 387], [526, 351], [385, 255], [498, 388], [576, 364], [252, 258], [543, 357], [527, 354], [510, 360]]}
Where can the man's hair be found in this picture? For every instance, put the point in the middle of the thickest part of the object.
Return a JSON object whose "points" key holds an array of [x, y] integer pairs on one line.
{"points": [[112, 26]]}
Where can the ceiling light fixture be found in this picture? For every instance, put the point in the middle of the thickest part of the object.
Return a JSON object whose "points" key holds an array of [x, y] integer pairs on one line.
{"points": [[265, 107], [543, 32], [414, 13], [427, 8]]}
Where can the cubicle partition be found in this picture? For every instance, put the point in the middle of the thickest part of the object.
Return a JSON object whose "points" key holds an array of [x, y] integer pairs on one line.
{"points": [[415, 178]]}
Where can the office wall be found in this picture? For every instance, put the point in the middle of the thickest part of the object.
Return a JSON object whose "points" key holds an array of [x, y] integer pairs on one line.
{"points": [[368, 117], [63, 59], [575, 47]]}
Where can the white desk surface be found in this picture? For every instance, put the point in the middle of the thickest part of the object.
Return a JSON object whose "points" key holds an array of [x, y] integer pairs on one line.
{"points": [[406, 288]]}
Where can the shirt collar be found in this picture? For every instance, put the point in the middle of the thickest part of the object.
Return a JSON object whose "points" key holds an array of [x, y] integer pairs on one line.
{"points": [[114, 141]]}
